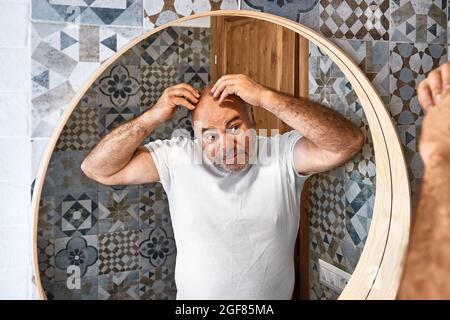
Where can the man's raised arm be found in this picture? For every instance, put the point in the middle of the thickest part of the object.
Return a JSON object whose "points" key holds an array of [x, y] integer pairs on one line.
{"points": [[331, 139], [118, 158]]}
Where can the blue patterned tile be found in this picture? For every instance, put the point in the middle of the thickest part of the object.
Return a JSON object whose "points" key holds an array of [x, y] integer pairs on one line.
{"points": [[158, 12], [360, 200], [125, 13], [305, 12], [63, 57]]}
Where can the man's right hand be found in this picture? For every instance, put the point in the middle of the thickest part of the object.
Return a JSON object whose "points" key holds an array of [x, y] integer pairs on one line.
{"points": [[180, 94], [430, 91], [435, 129]]}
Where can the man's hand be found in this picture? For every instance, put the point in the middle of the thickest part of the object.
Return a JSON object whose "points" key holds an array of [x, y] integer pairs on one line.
{"points": [[180, 94], [430, 91], [241, 85], [435, 129]]}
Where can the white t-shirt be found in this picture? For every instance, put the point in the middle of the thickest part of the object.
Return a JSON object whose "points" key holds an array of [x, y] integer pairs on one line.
{"points": [[235, 232]]}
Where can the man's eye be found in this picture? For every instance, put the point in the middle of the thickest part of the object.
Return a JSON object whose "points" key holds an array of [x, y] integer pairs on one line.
{"points": [[210, 137], [234, 129]]}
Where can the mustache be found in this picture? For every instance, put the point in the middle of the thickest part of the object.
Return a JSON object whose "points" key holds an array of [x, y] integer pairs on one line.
{"points": [[221, 156]]}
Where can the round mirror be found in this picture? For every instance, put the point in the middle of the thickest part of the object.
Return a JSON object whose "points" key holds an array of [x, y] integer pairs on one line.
{"points": [[97, 241]]}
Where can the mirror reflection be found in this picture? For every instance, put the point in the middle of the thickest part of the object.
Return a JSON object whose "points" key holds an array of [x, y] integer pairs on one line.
{"points": [[222, 158]]}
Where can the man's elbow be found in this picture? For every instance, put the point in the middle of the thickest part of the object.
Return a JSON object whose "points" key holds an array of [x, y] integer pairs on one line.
{"points": [[357, 143], [87, 169]]}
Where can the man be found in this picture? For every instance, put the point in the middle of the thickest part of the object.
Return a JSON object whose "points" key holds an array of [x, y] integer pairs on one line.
{"points": [[235, 213], [427, 268]]}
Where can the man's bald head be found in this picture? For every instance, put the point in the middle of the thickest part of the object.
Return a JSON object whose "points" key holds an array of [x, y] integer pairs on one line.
{"points": [[208, 108]]}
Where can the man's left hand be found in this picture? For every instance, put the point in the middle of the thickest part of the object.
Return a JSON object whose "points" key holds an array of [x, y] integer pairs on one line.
{"points": [[241, 85]]}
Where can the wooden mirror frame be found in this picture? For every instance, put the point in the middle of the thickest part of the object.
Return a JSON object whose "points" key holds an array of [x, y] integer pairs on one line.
{"points": [[378, 272]]}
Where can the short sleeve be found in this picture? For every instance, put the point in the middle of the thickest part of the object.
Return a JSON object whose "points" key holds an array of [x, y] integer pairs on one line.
{"points": [[287, 143], [162, 154]]}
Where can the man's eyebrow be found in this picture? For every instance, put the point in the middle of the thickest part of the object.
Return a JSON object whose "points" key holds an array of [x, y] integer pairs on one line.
{"points": [[232, 119], [237, 117]]}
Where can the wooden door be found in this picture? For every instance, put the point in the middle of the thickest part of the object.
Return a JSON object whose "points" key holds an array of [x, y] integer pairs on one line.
{"points": [[277, 58]]}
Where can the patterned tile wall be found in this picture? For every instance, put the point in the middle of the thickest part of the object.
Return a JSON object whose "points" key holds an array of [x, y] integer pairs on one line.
{"points": [[395, 42], [120, 237]]}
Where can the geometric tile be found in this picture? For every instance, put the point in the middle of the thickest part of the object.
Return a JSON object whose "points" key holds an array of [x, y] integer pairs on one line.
{"points": [[119, 286], [327, 205], [419, 21], [157, 284], [81, 130], [63, 57], [327, 84], [360, 200], [373, 58], [409, 135], [194, 46], [329, 87], [158, 12], [154, 208], [306, 12], [46, 259], [328, 248], [64, 174], [118, 210], [155, 79], [80, 252], [112, 117], [156, 247], [410, 63], [352, 19], [160, 48], [87, 289], [48, 217], [362, 168], [118, 251], [198, 77], [78, 215], [89, 12], [119, 86]]}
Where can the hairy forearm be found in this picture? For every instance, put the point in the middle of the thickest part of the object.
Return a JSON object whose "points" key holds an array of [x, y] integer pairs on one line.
{"points": [[321, 125], [427, 266], [116, 148]]}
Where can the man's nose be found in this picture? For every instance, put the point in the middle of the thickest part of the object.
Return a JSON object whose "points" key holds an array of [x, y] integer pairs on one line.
{"points": [[227, 144]]}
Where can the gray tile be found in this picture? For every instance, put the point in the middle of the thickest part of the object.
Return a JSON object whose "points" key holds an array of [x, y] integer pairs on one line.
{"points": [[89, 12], [349, 19], [418, 21]]}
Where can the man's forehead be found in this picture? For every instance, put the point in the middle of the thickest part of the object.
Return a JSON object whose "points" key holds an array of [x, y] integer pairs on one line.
{"points": [[205, 125]]}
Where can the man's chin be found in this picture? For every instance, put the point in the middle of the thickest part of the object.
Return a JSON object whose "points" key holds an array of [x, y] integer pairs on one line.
{"points": [[233, 167]]}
